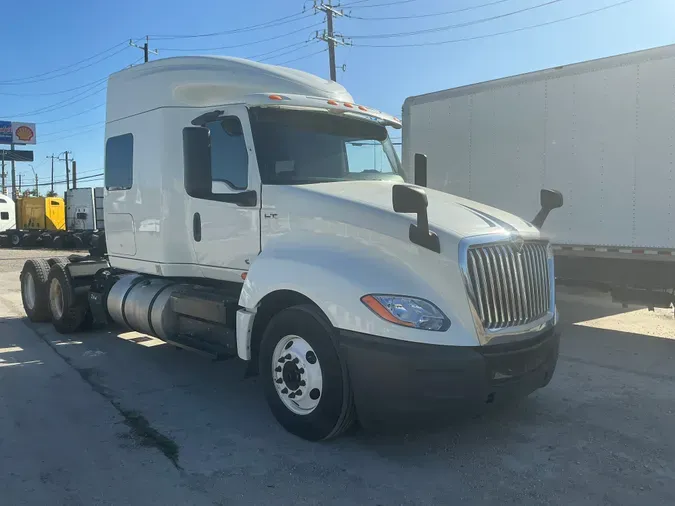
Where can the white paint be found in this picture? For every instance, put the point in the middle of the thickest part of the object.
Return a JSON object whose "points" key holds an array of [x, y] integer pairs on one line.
{"points": [[602, 132], [8, 210], [244, 328]]}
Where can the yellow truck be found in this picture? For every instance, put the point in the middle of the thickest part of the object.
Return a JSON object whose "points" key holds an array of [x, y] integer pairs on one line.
{"points": [[41, 213], [38, 221]]}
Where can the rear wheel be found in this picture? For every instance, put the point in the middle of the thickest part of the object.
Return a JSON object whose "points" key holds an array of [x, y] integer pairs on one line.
{"points": [[15, 239], [68, 312], [306, 384], [34, 290]]}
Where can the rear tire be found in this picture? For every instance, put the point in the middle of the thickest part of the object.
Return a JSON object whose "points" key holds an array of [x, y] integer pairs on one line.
{"points": [[67, 311], [324, 408], [15, 239], [34, 294]]}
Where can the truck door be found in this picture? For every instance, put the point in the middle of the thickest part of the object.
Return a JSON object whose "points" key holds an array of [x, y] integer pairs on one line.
{"points": [[226, 235]]}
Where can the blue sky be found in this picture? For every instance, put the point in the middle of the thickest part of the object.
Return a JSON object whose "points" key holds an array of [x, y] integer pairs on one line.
{"points": [[50, 35]]}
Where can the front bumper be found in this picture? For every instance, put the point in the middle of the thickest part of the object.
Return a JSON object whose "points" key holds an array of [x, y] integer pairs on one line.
{"points": [[398, 381]]}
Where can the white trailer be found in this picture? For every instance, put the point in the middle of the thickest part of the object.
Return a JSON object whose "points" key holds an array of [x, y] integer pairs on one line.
{"points": [[84, 209], [244, 217], [601, 131], [7, 213]]}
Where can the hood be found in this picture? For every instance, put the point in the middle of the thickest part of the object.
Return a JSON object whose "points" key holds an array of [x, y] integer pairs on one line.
{"points": [[449, 213]]}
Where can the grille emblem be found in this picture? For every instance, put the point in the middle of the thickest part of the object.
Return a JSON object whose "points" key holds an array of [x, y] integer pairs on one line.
{"points": [[518, 243]]}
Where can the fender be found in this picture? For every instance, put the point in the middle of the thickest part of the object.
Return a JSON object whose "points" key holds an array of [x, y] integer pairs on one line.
{"points": [[335, 274]]}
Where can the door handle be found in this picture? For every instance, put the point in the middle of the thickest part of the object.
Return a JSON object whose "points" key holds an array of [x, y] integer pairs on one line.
{"points": [[197, 227]]}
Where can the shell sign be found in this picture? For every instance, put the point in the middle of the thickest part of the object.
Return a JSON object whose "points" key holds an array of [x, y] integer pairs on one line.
{"points": [[12, 132], [23, 133]]}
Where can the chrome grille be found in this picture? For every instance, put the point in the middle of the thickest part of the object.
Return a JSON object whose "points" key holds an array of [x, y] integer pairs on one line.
{"points": [[509, 285]]}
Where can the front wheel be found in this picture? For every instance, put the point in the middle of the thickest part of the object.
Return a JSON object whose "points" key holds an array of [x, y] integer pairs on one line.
{"points": [[306, 384]]}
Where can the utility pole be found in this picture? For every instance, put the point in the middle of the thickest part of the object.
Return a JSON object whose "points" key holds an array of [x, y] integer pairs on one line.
{"points": [[13, 176], [52, 157], [328, 35], [74, 174], [37, 193], [19, 184], [3, 174], [145, 47], [66, 153]]}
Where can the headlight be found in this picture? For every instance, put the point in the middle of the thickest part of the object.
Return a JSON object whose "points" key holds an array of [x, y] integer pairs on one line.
{"points": [[407, 311]]}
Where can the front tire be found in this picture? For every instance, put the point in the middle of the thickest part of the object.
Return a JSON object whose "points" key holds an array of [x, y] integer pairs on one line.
{"points": [[68, 313], [34, 289], [306, 383]]}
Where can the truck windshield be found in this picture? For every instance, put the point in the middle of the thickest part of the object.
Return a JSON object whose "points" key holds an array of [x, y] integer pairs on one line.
{"points": [[301, 147]]}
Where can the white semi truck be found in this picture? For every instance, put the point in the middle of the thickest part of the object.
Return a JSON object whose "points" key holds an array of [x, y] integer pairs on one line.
{"points": [[601, 131], [7, 213], [244, 217]]}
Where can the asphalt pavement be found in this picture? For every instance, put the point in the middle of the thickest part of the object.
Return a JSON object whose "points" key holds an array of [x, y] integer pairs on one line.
{"points": [[116, 417]]}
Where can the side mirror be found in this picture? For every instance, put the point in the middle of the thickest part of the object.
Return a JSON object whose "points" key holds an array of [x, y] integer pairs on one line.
{"points": [[420, 169], [549, 199], [197, 161], [408, 199]]}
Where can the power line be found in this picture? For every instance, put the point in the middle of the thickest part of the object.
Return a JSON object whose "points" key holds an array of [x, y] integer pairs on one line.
{"points": [[429, 15], [72, 115], [60, 105], [23, 79], [387, 4], [287, 52], [242, 44], [93, 177], [76, 128], [69, 72], [77, 134], [301, 57], [60, 92], [506, 32], [302, 44], [260, 26], [458, 25]]}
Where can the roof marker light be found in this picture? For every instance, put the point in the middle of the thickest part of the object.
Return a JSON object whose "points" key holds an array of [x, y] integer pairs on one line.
{"points": [[332, 102], [276, 97], [363, 108], [347, 104]]}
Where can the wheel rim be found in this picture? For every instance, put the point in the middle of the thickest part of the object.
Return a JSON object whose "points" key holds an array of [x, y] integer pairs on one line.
{"points": [[56, 299], [15, 240], [297, 375], [29, 290]]}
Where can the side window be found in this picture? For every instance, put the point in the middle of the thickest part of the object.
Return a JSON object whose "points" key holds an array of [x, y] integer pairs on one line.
{"points": [[4, 215], [119, 161], [229, 156], [3, 201]]}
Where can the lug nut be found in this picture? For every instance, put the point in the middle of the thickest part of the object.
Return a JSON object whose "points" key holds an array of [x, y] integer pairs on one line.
{"points": [[280, 381], [288, 356], [296, 360], [284, 391], [301, 370], [298, 393], [302, 383], [277, 368], [291, 395]]}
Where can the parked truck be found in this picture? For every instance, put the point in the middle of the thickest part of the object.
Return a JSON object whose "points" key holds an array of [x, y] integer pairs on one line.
{"points": [[244, 217], [56, 222], [602, 131], [7, 213]]}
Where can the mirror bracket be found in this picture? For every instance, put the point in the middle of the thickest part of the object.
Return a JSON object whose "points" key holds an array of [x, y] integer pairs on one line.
{"points": [[408, 199]]}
